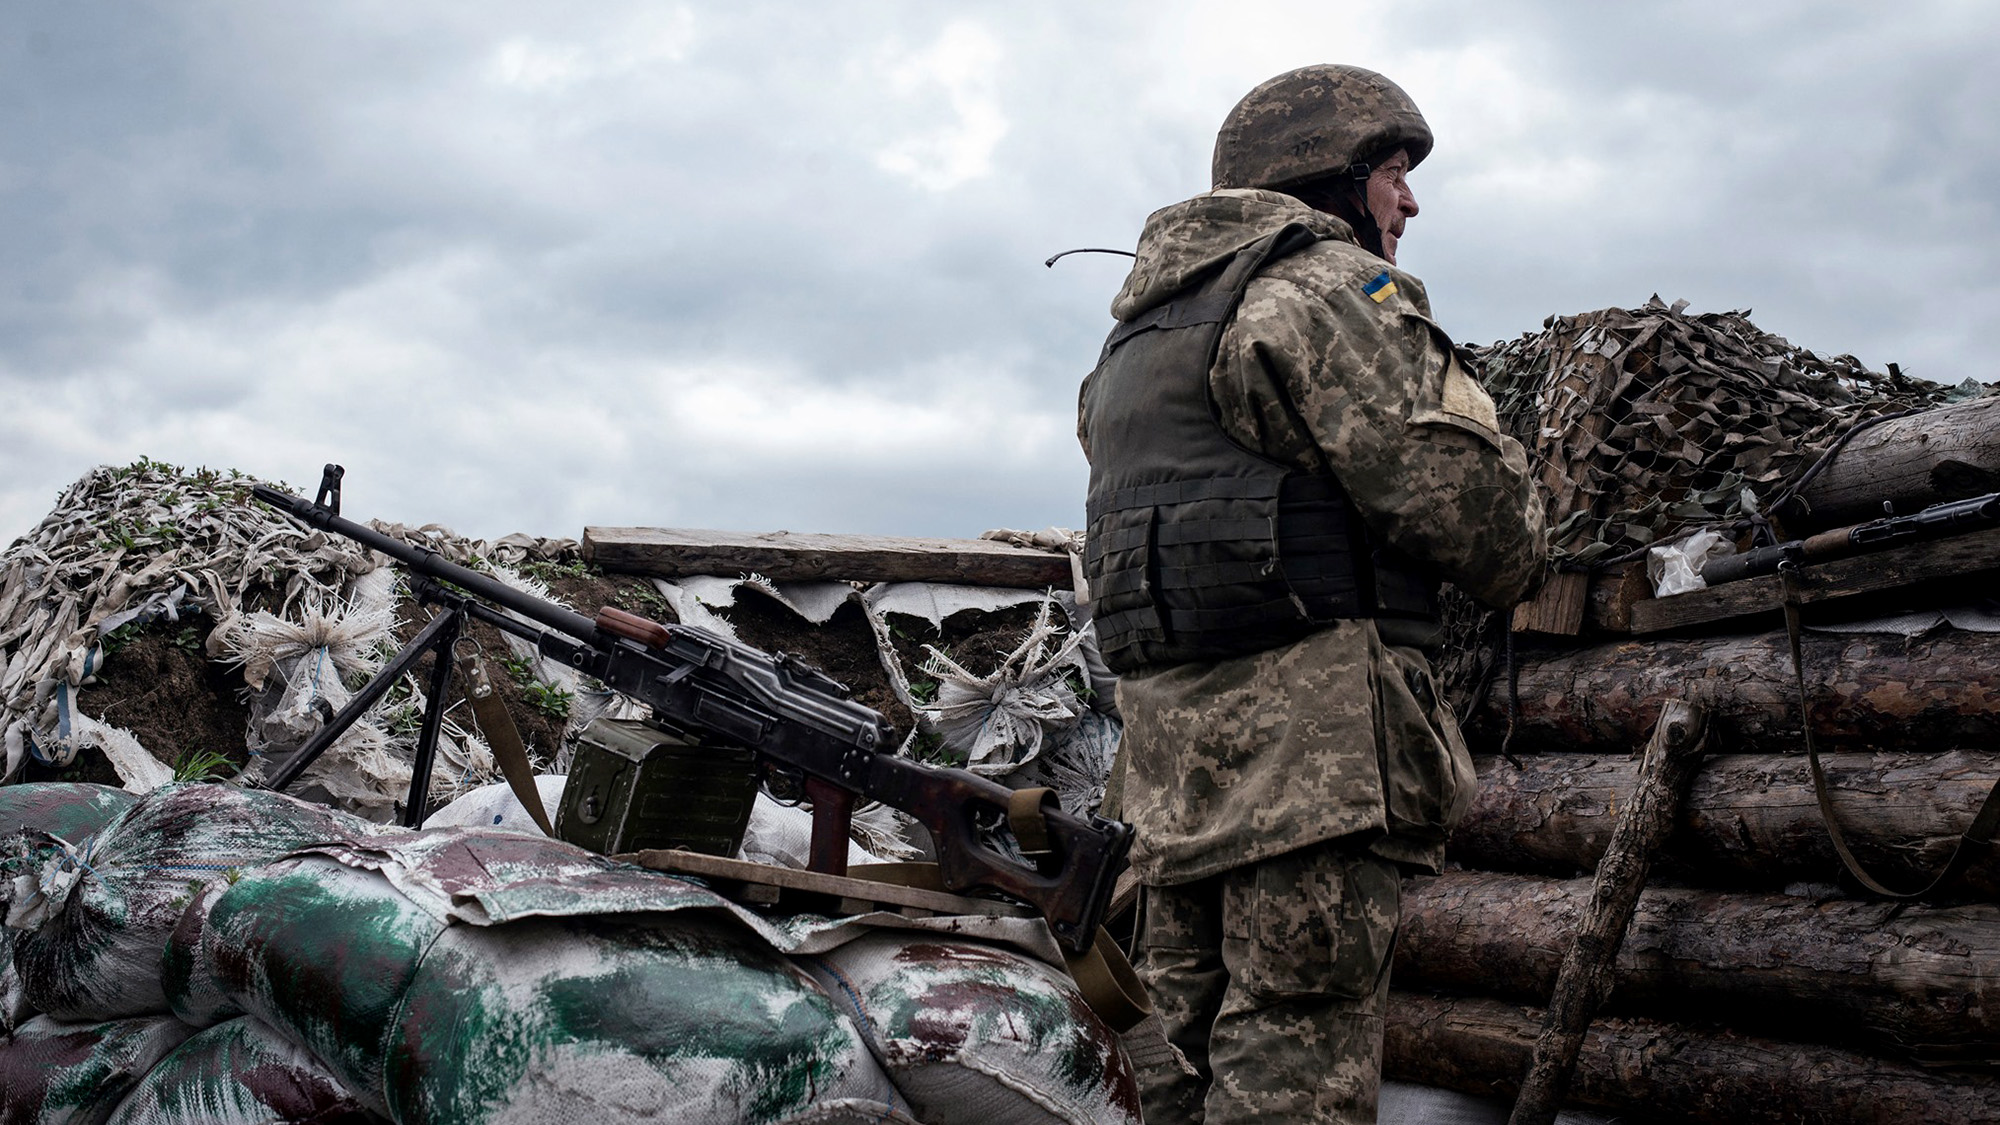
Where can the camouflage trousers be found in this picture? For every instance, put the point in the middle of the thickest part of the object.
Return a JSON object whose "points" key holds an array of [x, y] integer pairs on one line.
{"points": [[1272, 978]]}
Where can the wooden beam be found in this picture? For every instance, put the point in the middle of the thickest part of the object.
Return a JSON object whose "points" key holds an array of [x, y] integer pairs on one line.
{"points": [[1950, 453], [1956, 557], [787, 557], [735, 878]]}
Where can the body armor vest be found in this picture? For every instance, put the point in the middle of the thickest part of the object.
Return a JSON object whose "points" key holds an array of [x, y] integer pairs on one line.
{"points": [[1198, 548]]}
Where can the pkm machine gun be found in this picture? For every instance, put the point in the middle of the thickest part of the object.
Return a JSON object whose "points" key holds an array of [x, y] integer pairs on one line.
{"points": [[710, 691]]}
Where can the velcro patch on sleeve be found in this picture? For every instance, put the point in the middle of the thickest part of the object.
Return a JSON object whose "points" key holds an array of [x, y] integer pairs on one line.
{"points": [[1381, 287]]}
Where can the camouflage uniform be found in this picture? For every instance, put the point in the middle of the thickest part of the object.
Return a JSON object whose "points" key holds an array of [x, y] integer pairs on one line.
{"points": [[1275, 794]]}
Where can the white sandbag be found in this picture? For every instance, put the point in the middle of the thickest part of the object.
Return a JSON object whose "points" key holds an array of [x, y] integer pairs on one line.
{"points": [[975, 1034], [496, 807]]}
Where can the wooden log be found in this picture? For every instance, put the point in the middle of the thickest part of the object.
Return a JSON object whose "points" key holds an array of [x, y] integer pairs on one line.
{"points": [[1944, 562], [786, 557], [1869, 691], [1749, 819], [1586, 974], [1913, 981], [1649, 1071], [1945, 454]]}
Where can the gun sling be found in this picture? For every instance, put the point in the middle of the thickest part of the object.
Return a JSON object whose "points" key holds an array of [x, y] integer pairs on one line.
{"points": [[1979, 834], [497, 724]]}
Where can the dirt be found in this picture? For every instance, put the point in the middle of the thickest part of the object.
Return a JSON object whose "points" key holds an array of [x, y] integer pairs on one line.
{"points": [[175, 701], [843, 648]]}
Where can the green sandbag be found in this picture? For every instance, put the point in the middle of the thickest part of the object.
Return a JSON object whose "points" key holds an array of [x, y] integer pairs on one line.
{"points": [[69, 811], [688, 1017], [96, 928], [239, 1073], [54, 1073], [319, 951]]}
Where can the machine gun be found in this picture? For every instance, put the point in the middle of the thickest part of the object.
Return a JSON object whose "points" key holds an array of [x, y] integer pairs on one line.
{"points": [[717, 694], [1934, 522]]}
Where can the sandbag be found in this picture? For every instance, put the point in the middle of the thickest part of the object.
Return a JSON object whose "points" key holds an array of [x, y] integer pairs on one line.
{"points": [[690, 1017], [96, 919], [239, 1073], [977, 1034], [55, 1073], [69, 811]]}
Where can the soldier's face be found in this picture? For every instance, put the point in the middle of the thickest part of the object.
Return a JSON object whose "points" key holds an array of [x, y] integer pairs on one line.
{"points": [[1390, 201]]}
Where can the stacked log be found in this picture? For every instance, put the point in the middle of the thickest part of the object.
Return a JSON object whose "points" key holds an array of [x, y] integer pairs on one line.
{"points": [[1756, 983], [1676, 1072]]}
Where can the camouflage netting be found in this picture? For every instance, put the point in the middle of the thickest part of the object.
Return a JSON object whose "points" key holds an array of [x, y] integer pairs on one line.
{"points": [[1643, 423], [148, 541]]}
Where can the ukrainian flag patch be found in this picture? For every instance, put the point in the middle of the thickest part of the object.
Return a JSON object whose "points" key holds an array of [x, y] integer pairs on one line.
{"points": [[1381, 288]]}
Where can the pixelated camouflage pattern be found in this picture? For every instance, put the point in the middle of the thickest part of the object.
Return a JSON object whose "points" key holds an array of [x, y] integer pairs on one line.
{"points": [[1314, 122], [1234, 761], [1272, 980]]}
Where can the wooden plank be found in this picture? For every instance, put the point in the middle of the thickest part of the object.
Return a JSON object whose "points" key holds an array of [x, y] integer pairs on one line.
{"points": [[1956, 557], [765, 885], [1559, 606], [788, 557]]}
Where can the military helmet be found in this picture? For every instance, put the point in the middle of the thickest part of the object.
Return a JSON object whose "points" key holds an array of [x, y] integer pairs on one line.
{"points": [[1314, 122]]}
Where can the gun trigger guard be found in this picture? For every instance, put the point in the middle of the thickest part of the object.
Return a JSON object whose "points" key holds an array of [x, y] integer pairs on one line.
{"points": [[1027, 817]]}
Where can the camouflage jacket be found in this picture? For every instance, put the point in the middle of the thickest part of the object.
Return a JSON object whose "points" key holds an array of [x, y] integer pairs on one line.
{"points": [[1332, 362]]}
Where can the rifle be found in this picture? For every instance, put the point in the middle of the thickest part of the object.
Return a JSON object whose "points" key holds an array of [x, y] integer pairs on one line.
{"points": [[724, 693], [1934, 522]]}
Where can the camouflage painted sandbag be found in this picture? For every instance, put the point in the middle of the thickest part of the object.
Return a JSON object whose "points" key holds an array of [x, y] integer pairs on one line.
{"points": [[428, 1019], [95, 918], [980, 1035], [69, 811], [54, 1073], [686, 1019], [239, 1073]]}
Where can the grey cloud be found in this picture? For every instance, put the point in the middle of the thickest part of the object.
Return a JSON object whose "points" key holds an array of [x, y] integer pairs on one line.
{"points": [[525, 268]]}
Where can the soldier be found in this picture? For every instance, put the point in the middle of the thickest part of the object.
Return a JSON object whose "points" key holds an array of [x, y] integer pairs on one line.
{"points": [[1287, 455]]}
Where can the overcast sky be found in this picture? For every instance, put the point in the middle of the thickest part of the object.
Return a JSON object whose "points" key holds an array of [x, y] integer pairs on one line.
{"points": [[524, 266]]}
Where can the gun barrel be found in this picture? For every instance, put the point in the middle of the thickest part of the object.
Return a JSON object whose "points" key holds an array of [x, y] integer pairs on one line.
{"points": [[425, 561]]}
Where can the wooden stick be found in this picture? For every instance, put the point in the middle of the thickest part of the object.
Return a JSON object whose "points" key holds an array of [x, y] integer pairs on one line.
{"points": [[1585, 979]]}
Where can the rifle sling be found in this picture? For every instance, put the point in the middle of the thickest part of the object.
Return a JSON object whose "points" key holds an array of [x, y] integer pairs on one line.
{"points": [[504, 738], [1977, 835]]}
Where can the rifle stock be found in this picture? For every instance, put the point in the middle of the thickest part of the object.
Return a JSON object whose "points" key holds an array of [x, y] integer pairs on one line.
{"points": [[715, 689]]}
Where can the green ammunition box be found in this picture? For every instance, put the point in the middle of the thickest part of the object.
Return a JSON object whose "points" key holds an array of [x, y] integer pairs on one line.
{"points": [[634, 786]]}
